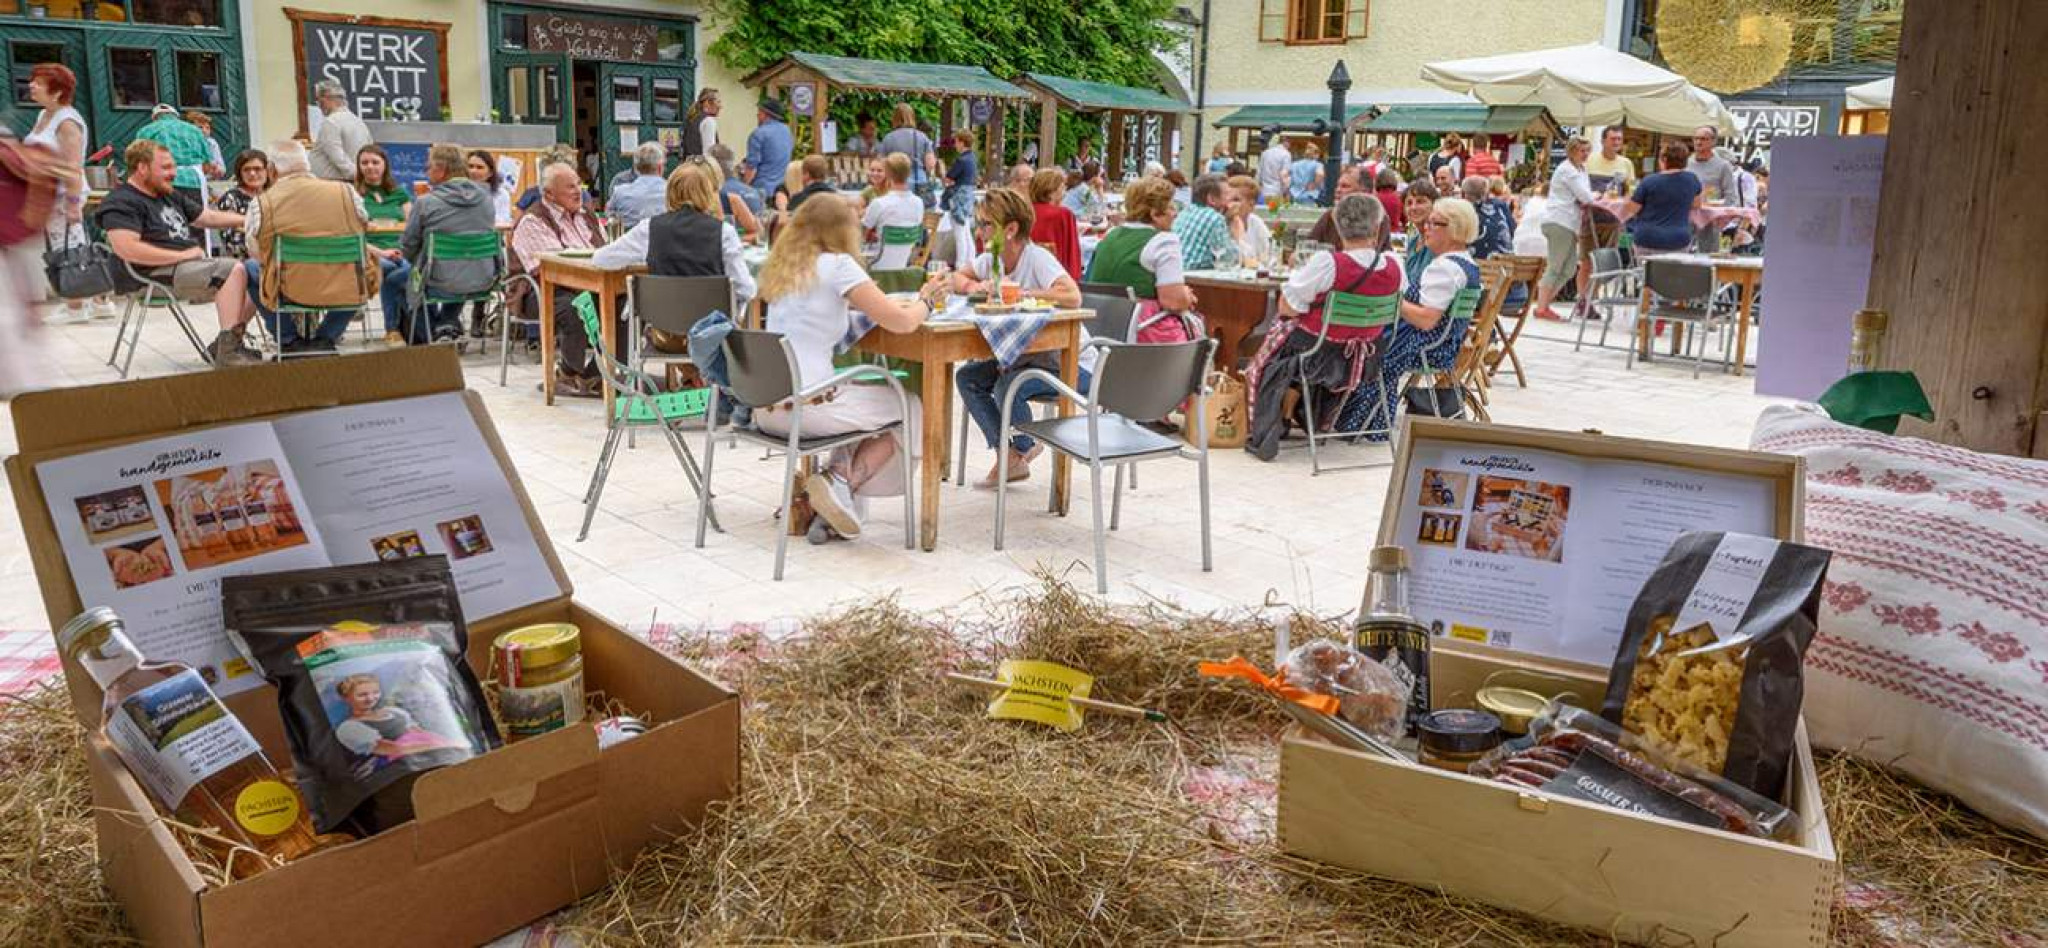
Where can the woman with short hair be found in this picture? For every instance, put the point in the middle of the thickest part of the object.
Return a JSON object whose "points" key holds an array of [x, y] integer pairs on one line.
{"points": [[1571, 192], [1144, 253], [1291, 350], [1660, 211], [1248, 231], [1053, 226], [251, 174], [1429, 332], [1004, 217], [812, 282]]}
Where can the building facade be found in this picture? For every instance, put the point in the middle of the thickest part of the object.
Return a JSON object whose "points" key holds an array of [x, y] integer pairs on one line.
{"points": [[1280, 52], [605, 75]]}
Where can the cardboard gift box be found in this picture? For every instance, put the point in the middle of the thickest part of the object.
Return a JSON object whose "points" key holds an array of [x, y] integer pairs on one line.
{"points": [[1635, 878], [499, 840]]}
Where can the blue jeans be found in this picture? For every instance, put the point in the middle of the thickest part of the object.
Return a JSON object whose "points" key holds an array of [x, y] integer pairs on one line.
{"points": [[333, 324], [397, 272], [979, 382]]}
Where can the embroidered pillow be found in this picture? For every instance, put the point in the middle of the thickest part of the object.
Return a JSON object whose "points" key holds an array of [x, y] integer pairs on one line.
{"points": [[1932, 656]]}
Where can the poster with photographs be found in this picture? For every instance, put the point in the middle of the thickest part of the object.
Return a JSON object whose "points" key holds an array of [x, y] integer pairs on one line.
{"points": [[1543, 552]]}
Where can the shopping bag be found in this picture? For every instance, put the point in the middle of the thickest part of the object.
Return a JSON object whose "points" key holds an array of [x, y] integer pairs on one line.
{"points": [[1226, 410]]}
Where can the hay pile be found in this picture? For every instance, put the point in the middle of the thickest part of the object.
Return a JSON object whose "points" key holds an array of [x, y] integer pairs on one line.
{"points": [[881, 806]]}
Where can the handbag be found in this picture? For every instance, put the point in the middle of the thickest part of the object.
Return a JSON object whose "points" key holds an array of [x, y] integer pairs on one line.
{"points": [[1434, 395], [78, 271]]}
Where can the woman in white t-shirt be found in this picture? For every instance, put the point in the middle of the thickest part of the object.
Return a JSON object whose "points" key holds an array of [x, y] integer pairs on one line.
{"points": [[811, 282], [898, 208], [1005, 215], [1570, 192]]}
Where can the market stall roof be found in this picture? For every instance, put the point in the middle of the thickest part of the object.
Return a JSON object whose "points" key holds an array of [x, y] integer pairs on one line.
{"points": [[1289, 117], [1587, 85], [1464, 119], [1090, 96], [1870, 95], [884, 76]]}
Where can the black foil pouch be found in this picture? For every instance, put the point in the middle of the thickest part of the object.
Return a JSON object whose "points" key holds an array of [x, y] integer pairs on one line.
{"points": [[1711, 664], [372, 684]]}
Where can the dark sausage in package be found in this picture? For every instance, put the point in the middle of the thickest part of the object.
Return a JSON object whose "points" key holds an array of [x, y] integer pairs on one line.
{"points": [[1577, 754]]}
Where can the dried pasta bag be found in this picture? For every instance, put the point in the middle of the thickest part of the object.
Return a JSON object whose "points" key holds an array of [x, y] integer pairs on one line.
{"points": [[372, 684], [1710, 666]]}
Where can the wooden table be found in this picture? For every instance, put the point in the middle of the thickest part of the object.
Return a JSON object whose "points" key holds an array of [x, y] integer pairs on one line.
{"points": [[1233, 305], [937, 346], [578, 273], [1745, 272]]}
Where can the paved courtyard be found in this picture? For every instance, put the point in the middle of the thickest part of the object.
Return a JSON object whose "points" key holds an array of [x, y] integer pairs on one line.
{"points": [[1280, 534]]}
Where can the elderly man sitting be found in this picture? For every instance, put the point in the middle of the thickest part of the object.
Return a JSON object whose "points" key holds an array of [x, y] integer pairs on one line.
{"points": [[454, 205], [647, 193], [301, 205], [155, 229], [559, 221]]}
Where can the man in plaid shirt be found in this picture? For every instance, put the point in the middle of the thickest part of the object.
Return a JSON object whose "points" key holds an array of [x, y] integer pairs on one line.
{"points": [[1201, 228]]}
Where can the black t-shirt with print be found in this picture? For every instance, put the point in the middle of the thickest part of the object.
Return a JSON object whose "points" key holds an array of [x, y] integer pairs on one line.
{"points": [[162, 221]]}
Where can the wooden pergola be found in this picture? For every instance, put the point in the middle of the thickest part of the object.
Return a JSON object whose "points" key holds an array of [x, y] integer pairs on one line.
{"points": [[1121, 103], [811, 78]]}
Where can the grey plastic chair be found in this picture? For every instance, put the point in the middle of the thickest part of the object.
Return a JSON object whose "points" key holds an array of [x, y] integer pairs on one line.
{"points": [[671, 305], [1682, 291], [1124, 326], [760, 368], [137, 306], [1613, 283], [1130, 382]]}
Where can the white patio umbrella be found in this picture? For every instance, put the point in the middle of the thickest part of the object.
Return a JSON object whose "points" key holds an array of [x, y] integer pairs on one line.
{"points": [[1587, 85], [1870, 95]]}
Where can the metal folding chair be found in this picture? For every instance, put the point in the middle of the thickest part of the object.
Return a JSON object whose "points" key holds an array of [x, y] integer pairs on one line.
{"points": [[640, 404], [761, 369], [1351, 311], [137, 307], [1613, 283], [1682, 292], [1130, 382]]}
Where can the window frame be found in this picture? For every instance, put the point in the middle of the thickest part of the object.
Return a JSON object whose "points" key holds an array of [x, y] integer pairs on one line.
{"points": [[15, 64], [156, 79], [219, 70], [1288, 21]]}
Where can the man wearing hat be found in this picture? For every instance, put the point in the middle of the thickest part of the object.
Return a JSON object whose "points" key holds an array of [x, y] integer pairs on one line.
{"points": [[769, 147], [187, 145]]}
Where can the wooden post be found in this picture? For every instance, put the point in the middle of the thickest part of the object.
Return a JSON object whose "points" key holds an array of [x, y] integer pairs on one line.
{"points": [[821, 112], [1962, 221], [1048, 131], [1114, 152], [992, 138]]}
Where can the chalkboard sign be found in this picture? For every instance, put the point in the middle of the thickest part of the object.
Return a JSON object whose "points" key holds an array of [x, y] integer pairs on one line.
{"points": [[378, 61], [589, 37]]}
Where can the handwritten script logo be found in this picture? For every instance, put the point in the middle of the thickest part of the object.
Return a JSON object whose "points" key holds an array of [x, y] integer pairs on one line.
{"points": [[171, 460], [1499, 462]]}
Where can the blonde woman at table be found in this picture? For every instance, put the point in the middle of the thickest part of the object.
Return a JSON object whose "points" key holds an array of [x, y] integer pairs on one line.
{"points": [[689, 240], [812, 282], [898, 207], [1424, 337], [1006, 216], [1253, 238]]}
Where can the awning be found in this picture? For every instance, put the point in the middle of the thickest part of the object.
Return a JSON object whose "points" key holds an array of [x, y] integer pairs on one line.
{"points": [[1292, 118], [1463, 119], [884, 76], [1870, 95], [1587, 85], [1090, 96]]}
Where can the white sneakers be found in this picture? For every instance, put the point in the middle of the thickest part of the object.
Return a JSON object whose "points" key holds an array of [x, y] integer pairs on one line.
{"points": [[834, 501]]}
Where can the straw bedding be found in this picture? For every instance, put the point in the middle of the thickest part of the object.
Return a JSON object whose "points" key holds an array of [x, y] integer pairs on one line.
{"points": [[880, 806]]}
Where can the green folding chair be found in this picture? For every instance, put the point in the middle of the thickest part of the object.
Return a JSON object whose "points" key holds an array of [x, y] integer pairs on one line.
{"points": [[1349, 311], [288, 249], [449, 248], [907, 235], [640, 404]]}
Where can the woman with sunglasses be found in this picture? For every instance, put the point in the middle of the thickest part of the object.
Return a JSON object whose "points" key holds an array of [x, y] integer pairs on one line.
{"points": [[1428, 334]]}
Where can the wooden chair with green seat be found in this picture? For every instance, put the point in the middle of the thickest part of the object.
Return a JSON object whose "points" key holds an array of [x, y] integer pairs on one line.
{"points": [[327, 249], [640, 404], [1450, 399], [1350, 311]]}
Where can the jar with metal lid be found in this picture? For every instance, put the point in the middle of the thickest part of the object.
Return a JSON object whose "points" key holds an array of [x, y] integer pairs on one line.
{"points": [[538, 671], [1455, 739]]}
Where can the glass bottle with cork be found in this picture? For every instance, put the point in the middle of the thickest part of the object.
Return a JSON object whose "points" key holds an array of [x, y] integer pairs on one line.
{"points": [[187, 750], [1387, 632], [1866, 339]]}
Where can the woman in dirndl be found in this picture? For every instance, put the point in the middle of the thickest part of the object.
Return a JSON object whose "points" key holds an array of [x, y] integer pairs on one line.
{"points": [[1425, 337]]}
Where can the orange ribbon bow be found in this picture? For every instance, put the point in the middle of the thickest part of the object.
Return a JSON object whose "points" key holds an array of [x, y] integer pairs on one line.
{"points": [[1238, 667]]}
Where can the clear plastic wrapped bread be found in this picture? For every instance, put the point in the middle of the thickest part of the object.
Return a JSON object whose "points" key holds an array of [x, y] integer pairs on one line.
{"points": [[1368, 694]]}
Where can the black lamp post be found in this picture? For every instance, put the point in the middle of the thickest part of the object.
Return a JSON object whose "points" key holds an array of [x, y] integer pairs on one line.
{"points": [[1333, 153]]}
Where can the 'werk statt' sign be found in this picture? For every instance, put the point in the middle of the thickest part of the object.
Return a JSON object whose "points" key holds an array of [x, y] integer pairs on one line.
{"points": [[378, 62], [586, 37]]}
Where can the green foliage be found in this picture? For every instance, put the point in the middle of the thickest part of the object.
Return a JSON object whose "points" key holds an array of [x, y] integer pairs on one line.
{"points": [[1085, 39]]}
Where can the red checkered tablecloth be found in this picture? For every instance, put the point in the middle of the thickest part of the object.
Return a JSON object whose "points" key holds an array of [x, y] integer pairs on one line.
{"points": [[27, 656]]}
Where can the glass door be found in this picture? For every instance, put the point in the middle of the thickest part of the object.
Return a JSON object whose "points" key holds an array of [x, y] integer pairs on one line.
{"points": [[27, 47], [640, 103]]}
